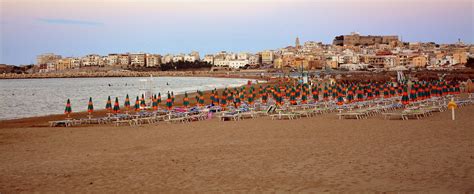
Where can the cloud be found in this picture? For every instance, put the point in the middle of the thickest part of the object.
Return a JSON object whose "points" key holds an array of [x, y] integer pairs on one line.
{"points": [[69, 22]]}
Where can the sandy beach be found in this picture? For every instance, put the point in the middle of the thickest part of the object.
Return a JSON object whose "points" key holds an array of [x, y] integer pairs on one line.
{"points": [[319, 154]]}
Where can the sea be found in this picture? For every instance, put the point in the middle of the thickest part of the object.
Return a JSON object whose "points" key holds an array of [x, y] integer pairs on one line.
{"points": [[20, 98]]}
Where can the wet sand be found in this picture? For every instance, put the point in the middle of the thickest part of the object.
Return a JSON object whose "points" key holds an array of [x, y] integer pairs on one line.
{"points": [[319, 154]]}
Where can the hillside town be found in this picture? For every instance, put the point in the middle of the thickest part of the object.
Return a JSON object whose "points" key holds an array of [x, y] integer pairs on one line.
{"points": [[354, 52]]}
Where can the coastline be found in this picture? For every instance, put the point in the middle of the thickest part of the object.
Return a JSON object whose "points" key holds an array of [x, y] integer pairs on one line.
{"points": [[217, 74], [42, 121]]}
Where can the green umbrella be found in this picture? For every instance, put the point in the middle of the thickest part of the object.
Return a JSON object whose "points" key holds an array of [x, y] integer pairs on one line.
{"points": [[127, 103], [108, 106], [68, 109], [90, 106], [116, 106], [142, 101], [137, 104], [186, 100], [169, 102]]}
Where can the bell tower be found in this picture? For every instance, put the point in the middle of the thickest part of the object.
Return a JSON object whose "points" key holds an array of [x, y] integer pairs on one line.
{"points": [[297, 43]]}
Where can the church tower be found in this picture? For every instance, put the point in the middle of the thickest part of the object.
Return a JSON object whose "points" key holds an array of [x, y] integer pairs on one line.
{"points": [[297, 43]]}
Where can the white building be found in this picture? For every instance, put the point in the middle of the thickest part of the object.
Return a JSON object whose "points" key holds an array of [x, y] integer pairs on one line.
{"points": [[209, 59], [178, 58], [190, 58], [153, 60], [91, 60], [138, 59], [231, 63], [166, 59], [112, 59], [243, 56]]}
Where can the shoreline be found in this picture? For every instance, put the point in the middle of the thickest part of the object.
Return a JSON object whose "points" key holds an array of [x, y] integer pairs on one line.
{"points": [[134, 74], [42, 121]]}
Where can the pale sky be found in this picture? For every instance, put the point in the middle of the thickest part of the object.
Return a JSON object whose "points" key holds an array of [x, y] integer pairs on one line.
{"points": [[76, 28]]}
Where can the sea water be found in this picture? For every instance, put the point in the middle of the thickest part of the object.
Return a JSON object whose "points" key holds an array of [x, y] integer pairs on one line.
{"points": [[21, 98]]}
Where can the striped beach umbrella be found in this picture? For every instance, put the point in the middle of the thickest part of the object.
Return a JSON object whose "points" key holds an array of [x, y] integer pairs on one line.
{"points": [[142, 101], [230, 97], [223, 102], [201, 98], [90, 106], [186, 100], [264, 95], [212, 96], [293, 96], [68, 108], [350, 95], [413, 94], [315, 93], [360, 94], [116, 106], [370, 95], [158, 99], [237, 100], [154, 103], [386, 93], [127, 103], [169, 102], [137, 104], [405, 100], [250, 97], [325, 94], [340, 99], [108, 105]]}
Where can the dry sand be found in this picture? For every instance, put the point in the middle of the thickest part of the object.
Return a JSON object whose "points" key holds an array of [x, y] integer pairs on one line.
{"points": [[310, 154]]}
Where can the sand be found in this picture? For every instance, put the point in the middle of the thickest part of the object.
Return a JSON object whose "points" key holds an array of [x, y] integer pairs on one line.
{"points": [[319, 154]]}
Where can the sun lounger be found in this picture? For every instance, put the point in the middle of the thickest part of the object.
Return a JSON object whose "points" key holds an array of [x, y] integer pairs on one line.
{"points": [[66, 123], [394, 116], [351, 115], [289, 116], [229, 116]]}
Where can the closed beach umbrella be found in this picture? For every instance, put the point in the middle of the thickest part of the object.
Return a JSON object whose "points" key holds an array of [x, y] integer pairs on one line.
{"points": [[158, 99], [340, 99], [90, 106], [127, 103], [68, 108], [116, 106], [386, 93], [413, 94], [154, 103], [250, 97], [370, 95], [201, 98], [293, 96], [237, 101], [315, 93], [223, 100], [108, 105], [264, 96], [142, 101], [212, 96], [325, 94], [186, 100], [405, 99], [350, 95], [169, 102], [137, 104]]}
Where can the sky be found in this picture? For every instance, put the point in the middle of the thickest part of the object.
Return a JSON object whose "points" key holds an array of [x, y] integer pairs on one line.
{"points": [[79, 27]]}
